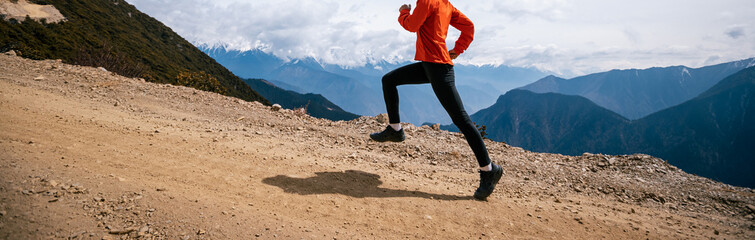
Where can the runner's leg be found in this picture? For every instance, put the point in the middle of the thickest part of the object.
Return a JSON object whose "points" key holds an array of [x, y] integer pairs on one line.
{"points": [[442, 79], [409, 74]]}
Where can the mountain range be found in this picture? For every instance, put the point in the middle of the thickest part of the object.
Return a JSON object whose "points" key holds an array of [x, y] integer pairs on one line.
{"points": [[711, 134], [636, 93], [359, 90]]}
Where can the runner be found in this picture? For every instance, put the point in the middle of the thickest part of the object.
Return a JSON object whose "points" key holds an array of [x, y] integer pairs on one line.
{"points": [[430, 21]]}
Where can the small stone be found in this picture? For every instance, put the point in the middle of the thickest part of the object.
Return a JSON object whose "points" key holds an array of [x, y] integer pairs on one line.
{"points": [[751, 208], [201, 232], [257, 235], [161, 189], [75, 235], [382, 118], [99, 199], [691, 198], [53, 200], [436, 126], [10, 53], [115, 104], [715, 231], [612, 160], [428, 217], [39, 78], [2, 213], [53, 183], [122, 231], [276, 107]]}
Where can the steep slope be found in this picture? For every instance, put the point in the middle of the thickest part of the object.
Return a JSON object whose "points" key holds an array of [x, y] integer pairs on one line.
{"points": [[116, 36], [711, 135], [638, 93], [316, 105], [86, 154]]}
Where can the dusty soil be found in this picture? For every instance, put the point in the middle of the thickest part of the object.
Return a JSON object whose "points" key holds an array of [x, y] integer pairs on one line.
{"points": [[86, 154], [23, 8]]}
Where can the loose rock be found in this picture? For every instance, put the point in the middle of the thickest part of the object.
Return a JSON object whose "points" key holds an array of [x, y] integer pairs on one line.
{"points": [[382, 118]]}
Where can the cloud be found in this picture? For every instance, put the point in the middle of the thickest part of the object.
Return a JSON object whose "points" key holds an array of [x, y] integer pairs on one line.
{"points": [[568, 37], [735, 32]]}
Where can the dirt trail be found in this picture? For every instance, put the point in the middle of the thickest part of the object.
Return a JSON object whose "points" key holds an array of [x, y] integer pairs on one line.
{"points": [[87, 154]]}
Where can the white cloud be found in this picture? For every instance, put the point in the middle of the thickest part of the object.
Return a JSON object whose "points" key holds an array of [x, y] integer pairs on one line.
{"points": [[567, 37]]}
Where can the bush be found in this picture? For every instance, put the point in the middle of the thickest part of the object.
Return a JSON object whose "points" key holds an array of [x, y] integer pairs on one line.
{"points": [[109, 59], [200, 80]]}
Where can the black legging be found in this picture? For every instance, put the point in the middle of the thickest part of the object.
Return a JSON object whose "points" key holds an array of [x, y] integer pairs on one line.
{"points": [[441, 77]]}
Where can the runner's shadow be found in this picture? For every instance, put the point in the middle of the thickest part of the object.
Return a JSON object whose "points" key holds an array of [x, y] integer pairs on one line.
{"points": [[351, 183]]}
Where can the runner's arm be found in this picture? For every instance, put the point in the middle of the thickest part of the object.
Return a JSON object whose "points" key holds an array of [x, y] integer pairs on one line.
{"points": [[461, 22], [412, 22]]}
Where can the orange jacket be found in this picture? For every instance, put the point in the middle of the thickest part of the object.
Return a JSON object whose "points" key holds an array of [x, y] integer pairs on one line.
{"points": [[430, 21]]}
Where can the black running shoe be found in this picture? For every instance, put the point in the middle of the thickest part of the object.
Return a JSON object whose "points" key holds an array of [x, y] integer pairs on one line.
{"points": [[389, 135], [488, 180]]}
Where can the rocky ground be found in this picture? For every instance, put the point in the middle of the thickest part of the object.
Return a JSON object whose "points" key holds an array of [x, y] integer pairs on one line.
{"points": [[86, 154]]}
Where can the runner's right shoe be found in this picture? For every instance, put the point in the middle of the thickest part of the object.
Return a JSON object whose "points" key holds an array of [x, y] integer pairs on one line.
{"points": [[389, 135], [488, 180]]}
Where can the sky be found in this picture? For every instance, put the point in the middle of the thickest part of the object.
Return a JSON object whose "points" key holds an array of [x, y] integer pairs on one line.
{"points": [[567, 38]]}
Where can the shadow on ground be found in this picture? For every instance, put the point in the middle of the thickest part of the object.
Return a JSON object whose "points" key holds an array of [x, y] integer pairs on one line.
{"points": [[351, 183]]}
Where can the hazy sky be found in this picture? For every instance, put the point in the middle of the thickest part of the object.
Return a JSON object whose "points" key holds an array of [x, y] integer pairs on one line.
{"points": [[566, 37]]}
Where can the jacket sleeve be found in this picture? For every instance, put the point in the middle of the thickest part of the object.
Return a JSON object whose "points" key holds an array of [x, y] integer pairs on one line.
{"points": [[412, 22], [461, 22]]}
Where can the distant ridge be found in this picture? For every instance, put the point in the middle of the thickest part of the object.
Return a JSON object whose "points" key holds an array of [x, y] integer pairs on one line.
{"points": [[636, 93], [315, 104]]}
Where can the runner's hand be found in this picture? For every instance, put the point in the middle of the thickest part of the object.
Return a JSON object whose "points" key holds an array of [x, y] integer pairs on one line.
{"points": [[405, 6], [453, 54]]}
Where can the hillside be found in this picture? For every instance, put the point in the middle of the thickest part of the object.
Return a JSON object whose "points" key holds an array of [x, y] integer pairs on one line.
{"points": [[315, 104], [710, 135], [87, 154], [549, 122], [116, 36], [636, 93]]}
